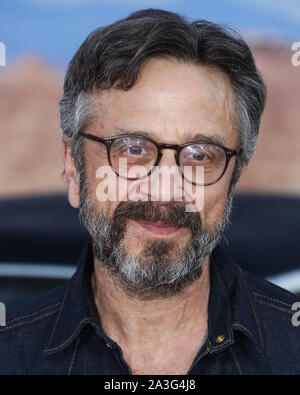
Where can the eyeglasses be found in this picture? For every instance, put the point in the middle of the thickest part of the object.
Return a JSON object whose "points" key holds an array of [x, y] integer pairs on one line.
{"points": [[130, 152]]}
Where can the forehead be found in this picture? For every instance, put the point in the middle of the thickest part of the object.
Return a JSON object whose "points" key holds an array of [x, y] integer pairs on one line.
{"points": [[172, 101]]}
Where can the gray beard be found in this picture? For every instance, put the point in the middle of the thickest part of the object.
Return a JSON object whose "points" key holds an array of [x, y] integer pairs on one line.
{"points": [[162, 269]]}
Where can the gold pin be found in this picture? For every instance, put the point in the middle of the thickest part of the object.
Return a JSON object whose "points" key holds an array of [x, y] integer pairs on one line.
{"points": [[220, 338]]}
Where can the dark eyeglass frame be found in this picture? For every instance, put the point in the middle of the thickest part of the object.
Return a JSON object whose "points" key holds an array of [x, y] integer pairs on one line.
{"points": [[108, 141]]}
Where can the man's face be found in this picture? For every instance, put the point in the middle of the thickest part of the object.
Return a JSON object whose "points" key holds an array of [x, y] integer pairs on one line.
{"points": [[173, 103]]}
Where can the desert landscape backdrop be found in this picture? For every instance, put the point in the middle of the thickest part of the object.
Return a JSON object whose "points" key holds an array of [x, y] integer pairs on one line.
{"points": [[30, 137]]}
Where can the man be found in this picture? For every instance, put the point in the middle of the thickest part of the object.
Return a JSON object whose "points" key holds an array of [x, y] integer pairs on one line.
{"points": [[148, 101]]}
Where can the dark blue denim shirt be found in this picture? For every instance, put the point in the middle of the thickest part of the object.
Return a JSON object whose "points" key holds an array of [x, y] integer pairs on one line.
{"points": [[250, 329]]}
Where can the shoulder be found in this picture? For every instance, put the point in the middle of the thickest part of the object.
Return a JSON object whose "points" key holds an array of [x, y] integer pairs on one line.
{"points": [[27, 331], [278, 320], [35, 310], [268, 294]]}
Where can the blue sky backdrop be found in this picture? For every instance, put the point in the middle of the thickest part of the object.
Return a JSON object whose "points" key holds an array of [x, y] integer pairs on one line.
{"points": [[55, 28]]}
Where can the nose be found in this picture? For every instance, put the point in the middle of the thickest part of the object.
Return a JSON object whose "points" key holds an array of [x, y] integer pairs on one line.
{"points": [[168, 157], [165, 181]]}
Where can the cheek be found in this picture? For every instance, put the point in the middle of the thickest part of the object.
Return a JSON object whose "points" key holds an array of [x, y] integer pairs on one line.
{"points": [[215, 197], [106, 189], [214, 202], [99, 186]]}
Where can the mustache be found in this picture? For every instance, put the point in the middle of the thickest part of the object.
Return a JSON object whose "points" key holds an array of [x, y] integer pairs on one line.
{"points": [[170, 213]]}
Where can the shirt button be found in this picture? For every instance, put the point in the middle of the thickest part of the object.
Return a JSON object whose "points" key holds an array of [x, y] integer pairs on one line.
{"points": [[220, 339]]}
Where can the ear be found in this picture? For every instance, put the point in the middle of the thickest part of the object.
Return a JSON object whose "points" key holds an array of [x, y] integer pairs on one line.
{"points": [[71, 174]]}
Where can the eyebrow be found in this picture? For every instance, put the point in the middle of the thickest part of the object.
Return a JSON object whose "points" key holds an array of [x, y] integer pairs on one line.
{"points": [[212, 138]]}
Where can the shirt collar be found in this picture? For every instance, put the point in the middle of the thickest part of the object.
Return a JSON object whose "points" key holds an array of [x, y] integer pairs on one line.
{"points": [[230, 307], [74, 313]]}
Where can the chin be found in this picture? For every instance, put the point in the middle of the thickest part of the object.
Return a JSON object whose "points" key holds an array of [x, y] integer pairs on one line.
{"points": [[146, 248]]}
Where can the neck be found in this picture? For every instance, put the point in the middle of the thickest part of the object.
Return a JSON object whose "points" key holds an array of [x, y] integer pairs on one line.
{"points": [[130, 321]]}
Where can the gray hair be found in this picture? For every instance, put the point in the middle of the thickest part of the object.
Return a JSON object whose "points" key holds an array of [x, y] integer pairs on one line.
{"points": [[113, 56]]}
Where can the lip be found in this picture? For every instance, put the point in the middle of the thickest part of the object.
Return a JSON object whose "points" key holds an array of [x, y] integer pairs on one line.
{"points": [[158, 229]]}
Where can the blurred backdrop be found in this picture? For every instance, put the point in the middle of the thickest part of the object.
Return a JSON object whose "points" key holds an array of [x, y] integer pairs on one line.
{"points": [[40, 236]]}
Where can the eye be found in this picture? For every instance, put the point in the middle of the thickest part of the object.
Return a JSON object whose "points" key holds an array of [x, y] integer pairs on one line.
{"points": [[199, 156], [135, 150]]}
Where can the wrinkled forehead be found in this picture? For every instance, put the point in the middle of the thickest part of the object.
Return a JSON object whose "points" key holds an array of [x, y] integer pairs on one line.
{"points": [[173, 100]]}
